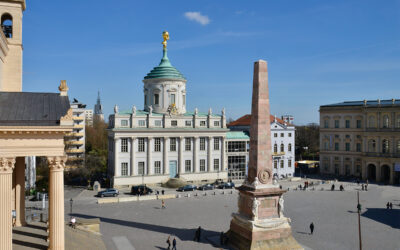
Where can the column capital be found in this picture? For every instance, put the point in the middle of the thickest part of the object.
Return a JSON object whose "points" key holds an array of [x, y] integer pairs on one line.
{"points": [[57, 163], [133, 137], [7, 165], [150, 137]]}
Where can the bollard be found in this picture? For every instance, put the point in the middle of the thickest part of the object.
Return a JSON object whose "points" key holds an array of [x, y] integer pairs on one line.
{"points": [[223, 192], [214, 192], [205, 194], [231, 192]]}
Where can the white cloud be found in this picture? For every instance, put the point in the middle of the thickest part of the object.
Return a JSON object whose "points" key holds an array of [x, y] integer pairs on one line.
{"points": [[197, 17]]}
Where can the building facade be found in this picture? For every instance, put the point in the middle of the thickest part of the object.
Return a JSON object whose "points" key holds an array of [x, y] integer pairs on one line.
{"points": [[282, 142], [75, 141], [361, 139], [89, 117], [163, 140]]}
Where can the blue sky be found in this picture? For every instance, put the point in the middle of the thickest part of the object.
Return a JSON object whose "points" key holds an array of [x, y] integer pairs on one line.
{"points": [[318, 52]]}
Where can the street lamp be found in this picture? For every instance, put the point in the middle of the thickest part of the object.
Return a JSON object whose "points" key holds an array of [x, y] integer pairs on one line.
{"points": [[359, 222], [71, 201]]}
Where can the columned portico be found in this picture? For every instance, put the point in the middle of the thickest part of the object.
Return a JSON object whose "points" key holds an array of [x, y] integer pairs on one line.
{"points": [[56, 202], [6, 170]]}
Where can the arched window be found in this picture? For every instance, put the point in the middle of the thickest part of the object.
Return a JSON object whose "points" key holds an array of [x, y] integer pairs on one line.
{"points": [[385, 121], [385, 146], [275, 148], [7, 25], [290, 147], [371, 122], [156, 99], [371, 146], [282, 147]]}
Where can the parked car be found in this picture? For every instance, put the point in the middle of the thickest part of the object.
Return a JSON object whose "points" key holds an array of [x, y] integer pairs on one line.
{"points": [[141, 190], [226, 185], [187, 188], [207, 187], [108, 192]]}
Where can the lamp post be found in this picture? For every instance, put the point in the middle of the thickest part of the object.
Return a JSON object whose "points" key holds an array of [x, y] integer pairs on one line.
{"points": [[71, 201], [359, 222]]}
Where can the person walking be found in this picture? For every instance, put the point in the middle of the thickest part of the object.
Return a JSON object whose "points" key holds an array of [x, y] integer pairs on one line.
{"points": [[387, 205], [312, 227], [169, 242], [174, 244], [162, 204], [391, 205]]}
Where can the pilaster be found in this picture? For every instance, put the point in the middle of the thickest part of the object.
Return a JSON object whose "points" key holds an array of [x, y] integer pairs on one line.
{"points": [[180, 155], [116, 150], [133, 157], [6, 170], [196, 165], [209, 154], [165, 155], [224, 164], [150, 170]]}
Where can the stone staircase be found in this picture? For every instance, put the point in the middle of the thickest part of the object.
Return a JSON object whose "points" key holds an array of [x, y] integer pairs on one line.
{"points": [[31, 236]]}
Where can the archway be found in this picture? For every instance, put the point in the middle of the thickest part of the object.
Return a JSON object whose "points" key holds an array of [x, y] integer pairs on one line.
{"points": [[6, 25], [371, 172], [385, 174]]}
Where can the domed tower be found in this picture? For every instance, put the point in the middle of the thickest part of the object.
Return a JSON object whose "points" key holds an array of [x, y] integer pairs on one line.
{"points": [[165, 87]]}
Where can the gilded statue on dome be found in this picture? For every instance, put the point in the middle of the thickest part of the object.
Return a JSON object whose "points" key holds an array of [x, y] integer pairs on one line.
{"points": [[165, 36]]}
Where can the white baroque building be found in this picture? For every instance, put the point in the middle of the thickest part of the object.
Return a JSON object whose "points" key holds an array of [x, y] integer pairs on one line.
{"points": [[282, 142], [163, 140]]}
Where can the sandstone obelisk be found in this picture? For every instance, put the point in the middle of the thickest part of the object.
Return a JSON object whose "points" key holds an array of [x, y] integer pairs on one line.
{"points": [[260, 223]]}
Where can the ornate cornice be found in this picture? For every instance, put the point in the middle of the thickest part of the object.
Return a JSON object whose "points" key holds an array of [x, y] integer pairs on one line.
{"points": [[7, 165], [57, 163]]}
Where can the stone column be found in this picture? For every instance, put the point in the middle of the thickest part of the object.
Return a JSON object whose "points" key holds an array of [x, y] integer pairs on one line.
{"points": [[195, 155], [392, 123], [20, 191], [379, 121], [364, 170], [392, 173], [116, 150], [180, 155], [223, 154], [56, 203], [165, 155], [149, 158], [379, 146], [133, 159], [209, 154], [6, 170], [378, 170]]}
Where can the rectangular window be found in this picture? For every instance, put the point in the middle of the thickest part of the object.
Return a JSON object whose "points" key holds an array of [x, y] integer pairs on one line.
{"points": [[124, 169], [275, 164], [358, 168], [157, 123], [348, 136], [358, 145], [156, 99], [172, 100], [188, 166], [141, 168], [142, 123], [188, 123], [157, 145], [216, 123], [336, 146], [336, 123], [216, 164], [347, 146], [172, 144], [174, 123], [326, 123], [289, 163], [275, 134], [326, 145], [290, 134], [282, 163], [216, 143], [282, 134], [347, 123], [141, 144], [236, 146], [202, 143], [124, 145], [203, 123], [124, 123], [202, 165], [157, 167], [358, 123], [188, 144]]}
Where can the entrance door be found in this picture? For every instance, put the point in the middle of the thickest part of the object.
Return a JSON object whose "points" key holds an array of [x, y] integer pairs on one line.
{"points": [[172, 169]]}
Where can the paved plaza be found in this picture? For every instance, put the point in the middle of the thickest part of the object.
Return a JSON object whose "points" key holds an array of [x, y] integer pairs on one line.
{"points": [[144, 225]]}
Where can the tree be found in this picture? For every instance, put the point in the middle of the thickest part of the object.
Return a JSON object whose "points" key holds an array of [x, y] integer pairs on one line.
{"points": [[307, 141]]}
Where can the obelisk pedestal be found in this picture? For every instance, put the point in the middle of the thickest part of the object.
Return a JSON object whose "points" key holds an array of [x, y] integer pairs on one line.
{"points": [[260, 223]]}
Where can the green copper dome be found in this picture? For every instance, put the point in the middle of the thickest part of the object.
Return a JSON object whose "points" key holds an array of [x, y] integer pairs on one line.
{"points": [[165, 70]]}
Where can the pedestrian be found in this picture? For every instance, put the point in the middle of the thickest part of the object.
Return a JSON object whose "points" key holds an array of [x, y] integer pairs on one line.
{"points": [[199, 237], [158, 192], [169, 242], [366, 186], [341, 188], [197, 234], [333, 187], [162, 204], [174, 244], [362, 187], [312, 227], [162, 192], [391, 205], [387, 205], [73, 222]]}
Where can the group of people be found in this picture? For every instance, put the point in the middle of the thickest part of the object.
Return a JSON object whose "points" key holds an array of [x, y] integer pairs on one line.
{"points": [[364, 187], [173, 243], [389, 205]]}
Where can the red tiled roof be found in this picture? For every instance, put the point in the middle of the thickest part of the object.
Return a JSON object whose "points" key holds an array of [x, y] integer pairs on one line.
{"points": [[246, 121]]}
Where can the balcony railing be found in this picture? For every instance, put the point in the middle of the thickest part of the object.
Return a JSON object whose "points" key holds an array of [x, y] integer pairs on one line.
{"points": [[78, 118], [78, 126]]}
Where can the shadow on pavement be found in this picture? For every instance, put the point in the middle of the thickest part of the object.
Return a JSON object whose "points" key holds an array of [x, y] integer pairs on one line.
{"points": [[182, 233], [390, 217], [29, 244], [299, 232]]}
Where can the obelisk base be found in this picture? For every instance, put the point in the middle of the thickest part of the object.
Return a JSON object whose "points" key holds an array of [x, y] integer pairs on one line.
{"points": [[260, 223]]}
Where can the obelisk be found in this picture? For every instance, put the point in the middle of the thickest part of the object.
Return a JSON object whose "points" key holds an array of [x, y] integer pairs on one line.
{"points": [[260, 223]]}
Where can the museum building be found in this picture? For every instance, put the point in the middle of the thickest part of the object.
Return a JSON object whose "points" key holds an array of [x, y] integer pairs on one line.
{"points": [[163, 140]]}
